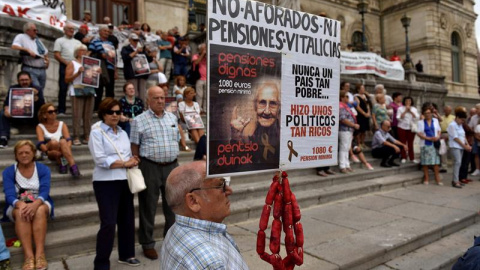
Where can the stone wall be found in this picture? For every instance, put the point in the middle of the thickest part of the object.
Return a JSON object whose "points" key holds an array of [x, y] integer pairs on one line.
{"points": [[9, 28], [165, 14]]}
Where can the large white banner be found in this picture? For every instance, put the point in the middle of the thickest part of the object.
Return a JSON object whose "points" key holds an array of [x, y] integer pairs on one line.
{"points": [[50, 12], [273, 81], [371, 63]]}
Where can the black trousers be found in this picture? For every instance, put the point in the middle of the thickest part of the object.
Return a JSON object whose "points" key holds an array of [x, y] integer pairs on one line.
{"points": [[463, 173], [109, 89], [62, 89], [386, 153], [115, 207]]}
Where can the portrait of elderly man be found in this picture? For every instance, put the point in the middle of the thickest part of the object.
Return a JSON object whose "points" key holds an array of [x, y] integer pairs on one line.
{"points": [[263, 127], [198, 239]]}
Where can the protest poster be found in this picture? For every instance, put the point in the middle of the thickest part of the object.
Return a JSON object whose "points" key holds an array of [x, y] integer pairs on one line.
{"points": [[140, 65], [92, 71], [52, 13], [21, 102], [193, 120], [110, 52], [273, 88], [371, 63]]}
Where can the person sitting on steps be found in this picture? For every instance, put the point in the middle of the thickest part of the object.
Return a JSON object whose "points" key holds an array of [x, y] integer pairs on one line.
{"points": [[386, 147]]}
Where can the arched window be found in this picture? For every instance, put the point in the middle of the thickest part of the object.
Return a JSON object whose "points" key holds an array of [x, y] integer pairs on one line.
{"points": [[456, 57], [357, 41]]}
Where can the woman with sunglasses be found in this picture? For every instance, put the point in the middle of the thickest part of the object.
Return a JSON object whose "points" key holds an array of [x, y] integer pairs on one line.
{"points": [[189, 106], [82, 97], [110, 148], [132, 106], [54, 139]]}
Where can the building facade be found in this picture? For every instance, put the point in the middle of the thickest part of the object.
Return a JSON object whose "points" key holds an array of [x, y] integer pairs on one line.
{"points": [[441, 32]]}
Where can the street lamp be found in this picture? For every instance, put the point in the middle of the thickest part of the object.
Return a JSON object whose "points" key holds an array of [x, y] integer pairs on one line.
{"points": [[362, 8], [406, 23]]}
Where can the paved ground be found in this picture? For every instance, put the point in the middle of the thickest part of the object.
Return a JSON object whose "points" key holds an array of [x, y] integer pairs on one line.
{"points": [[344, 232]]}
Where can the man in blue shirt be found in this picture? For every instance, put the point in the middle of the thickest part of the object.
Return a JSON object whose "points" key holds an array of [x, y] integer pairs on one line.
{"points": [[101, 48], [198, 239]]}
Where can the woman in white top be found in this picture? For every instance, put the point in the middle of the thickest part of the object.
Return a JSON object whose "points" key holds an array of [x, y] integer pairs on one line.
{"points": [[429, 132], [189, 106], [82, 97], [110, 149], [54, 139], [406, 116], [457, 143]]}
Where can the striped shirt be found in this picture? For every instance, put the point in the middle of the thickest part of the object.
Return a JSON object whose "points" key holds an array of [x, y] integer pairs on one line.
{"points": [[157, 136], [98, 46], [199, 244]]}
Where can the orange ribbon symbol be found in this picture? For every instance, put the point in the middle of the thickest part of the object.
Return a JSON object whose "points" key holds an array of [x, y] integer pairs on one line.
{"points": [[292, 151], [268, 147]]}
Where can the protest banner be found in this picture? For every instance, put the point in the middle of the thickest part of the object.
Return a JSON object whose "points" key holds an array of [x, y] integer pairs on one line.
{"points": [[273, 81], [91, 71], [371, 63], [21, 102], [140, 65], [49, 12]]}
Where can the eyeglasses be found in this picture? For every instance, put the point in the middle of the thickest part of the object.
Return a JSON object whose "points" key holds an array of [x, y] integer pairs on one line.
{"points": [[111, 112], [223, 186], [52, 111], [262, 104]]}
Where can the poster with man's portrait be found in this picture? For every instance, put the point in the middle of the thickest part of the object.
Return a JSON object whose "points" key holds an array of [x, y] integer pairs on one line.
{"points": [[140, 65], [21, 102], [245, 94], [92, 71]]}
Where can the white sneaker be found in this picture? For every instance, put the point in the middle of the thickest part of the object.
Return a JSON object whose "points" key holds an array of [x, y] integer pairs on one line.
{"points": [[415, 161], [476, 172], [403, 161]]}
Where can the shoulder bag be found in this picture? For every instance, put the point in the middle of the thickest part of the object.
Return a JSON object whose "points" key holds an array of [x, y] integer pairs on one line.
{"points": [[135, 179]]}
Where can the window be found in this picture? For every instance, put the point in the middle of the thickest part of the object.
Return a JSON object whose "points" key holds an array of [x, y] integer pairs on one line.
{"points": [[117, 10], [120, 13], [456, 57], [357, 42]]}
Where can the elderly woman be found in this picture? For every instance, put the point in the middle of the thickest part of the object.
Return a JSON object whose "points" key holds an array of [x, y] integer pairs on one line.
{"points": [[407, 115], [27, 186], [457, 143], [379, 111], [132, 106], [429, 132], [82, 97], [189, 106], [110, 149], [54, 139]]}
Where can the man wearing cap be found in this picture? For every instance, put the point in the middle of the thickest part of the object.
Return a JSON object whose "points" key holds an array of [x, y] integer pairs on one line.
{"points": [[101, 48], [87, 18], [82, 35], [34, 54], [129, 52], [63, 53]]}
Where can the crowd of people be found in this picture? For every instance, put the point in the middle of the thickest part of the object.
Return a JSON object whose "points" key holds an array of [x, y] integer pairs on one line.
{"points": [[139, 130], [396, 122]]}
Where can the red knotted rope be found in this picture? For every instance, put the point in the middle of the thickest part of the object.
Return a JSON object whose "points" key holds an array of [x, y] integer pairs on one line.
{"points": [[286, 212]]}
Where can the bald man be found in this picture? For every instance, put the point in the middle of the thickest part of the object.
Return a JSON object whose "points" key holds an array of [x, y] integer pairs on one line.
{"points": [[198, 239]]}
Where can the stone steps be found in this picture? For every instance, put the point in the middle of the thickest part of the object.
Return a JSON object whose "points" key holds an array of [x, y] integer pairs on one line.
{"points": [[76, 208], [441, 254]]}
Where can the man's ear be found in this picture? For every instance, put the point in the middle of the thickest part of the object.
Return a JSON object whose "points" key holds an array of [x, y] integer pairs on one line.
{"points": [[192, 203]]}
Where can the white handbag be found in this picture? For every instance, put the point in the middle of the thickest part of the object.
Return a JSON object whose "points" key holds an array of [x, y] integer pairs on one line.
{"points": [[135, 179]]}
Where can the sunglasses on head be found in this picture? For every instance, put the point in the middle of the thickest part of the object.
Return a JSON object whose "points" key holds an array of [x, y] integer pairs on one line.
{"points": [[111, 112], [52, 111]]}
